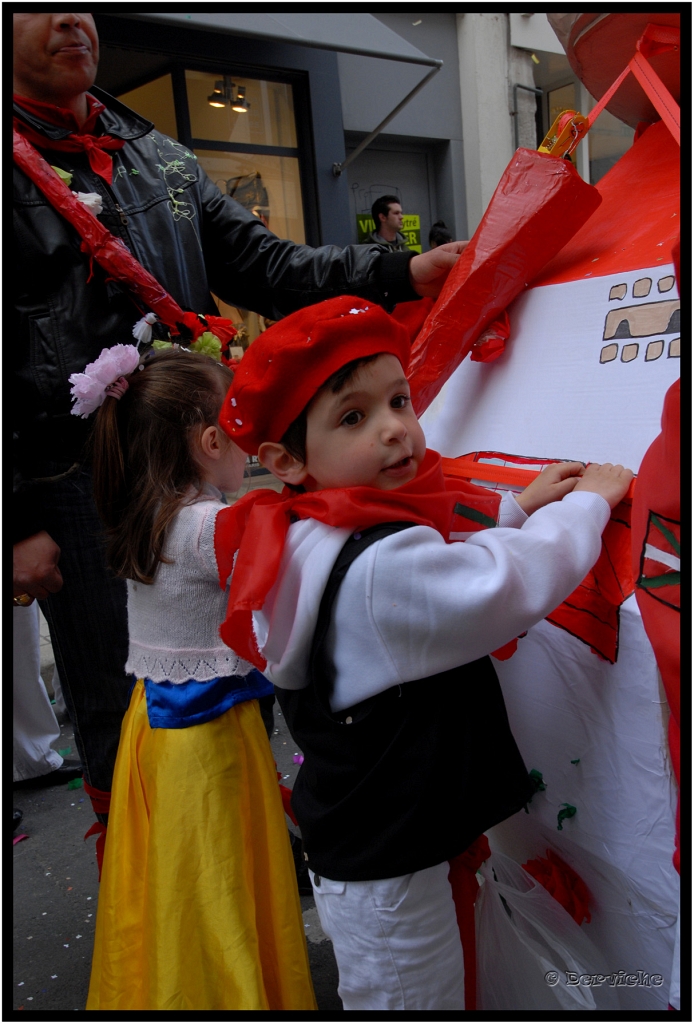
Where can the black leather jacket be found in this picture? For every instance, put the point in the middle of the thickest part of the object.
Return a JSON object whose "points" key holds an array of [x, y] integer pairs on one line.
{"points": [[186, 233]]}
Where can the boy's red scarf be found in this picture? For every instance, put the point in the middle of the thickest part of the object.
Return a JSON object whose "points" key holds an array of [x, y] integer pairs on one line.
{"points": [[256, 526]]}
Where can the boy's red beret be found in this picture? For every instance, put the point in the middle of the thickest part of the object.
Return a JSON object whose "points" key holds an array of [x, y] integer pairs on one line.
{"points": [[284, 368]]}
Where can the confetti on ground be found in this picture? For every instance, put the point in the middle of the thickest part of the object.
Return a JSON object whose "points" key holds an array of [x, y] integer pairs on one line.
{"points": [[47, 874], [577, 761], [18, 839], [44, 913], [74, 784], [69, 888], [298, 758], [54, 975], [67, 945], [89, 915], [19, 984], [30, 936], [65, 751], [78, 936], [285, 776]]}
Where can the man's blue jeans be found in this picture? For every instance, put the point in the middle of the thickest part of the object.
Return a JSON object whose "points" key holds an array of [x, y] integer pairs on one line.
{"points": [[87, 621]]}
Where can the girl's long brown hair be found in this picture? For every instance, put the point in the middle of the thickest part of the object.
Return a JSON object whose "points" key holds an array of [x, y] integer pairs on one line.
{"points": [[142, 457]]}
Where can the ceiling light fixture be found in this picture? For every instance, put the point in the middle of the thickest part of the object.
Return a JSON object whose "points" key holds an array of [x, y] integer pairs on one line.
{"points": [[225, 93]]}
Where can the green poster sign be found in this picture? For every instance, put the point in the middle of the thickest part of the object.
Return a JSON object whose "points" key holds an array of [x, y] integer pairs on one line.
{"points": [[410, 229]]}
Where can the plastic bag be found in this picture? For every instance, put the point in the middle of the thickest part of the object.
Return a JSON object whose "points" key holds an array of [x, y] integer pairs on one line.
{"points": [[539, 204], [529, 948]]}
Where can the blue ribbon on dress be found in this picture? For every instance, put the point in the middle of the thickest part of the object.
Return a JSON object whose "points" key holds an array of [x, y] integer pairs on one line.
{"points": [[179, 705]]}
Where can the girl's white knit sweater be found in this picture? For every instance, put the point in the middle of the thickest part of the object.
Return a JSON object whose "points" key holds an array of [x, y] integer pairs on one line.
{"points": [[174, 622]]}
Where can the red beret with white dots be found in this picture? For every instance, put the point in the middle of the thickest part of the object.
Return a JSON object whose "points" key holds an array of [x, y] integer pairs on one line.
{"points": [[285, 367]]}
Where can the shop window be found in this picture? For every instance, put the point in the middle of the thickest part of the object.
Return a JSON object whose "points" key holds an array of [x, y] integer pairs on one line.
{"points": [[155, 101], [250, 153], [267, 121]]}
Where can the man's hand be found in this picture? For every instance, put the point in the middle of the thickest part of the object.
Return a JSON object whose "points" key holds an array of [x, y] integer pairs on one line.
{"points": [[612, 482], [429, 270], [552, 484], [35, 566]]}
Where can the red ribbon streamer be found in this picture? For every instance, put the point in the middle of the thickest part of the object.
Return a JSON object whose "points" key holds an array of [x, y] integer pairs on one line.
{"points": [[462, 876], [101, 803], [108, 251]]}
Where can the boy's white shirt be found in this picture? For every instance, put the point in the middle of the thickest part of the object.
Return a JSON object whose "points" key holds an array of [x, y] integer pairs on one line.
{"points": [[413, 605]]}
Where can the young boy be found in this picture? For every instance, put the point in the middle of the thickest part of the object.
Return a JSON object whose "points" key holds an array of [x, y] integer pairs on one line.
{"points": [[376, 632]]}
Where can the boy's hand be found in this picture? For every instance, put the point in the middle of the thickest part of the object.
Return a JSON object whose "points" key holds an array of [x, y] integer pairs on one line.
{"points": [[612, 482], [552, 484]]}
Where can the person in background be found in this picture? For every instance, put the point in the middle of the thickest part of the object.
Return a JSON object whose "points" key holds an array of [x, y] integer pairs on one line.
{"points": [[35, 729], [439, 234], [68, 309], [387, 215]]}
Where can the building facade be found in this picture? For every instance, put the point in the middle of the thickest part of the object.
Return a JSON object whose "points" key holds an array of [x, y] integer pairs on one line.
{"points": [[268, 118]]}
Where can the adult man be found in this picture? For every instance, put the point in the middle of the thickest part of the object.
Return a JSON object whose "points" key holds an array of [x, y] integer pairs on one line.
{"points": [[387, 215], [192, 239]]}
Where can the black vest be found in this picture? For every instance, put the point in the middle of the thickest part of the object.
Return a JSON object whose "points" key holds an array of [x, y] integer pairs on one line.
{"points": [[405, 779]]}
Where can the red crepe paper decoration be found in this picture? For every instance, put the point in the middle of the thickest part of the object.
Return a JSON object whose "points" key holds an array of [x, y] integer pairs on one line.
{"points": [[101, 804], [538, 205], [656, 532], [492, 342], [562, 883], [465, 888], [412, 315], [110, 252], [286, 795], [591, 612]]}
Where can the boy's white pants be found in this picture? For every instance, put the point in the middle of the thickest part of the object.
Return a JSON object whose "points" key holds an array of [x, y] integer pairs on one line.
{"points": [[396, 941]]}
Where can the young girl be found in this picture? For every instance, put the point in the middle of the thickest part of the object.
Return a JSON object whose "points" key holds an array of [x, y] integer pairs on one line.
{"points": [[198, 908]]}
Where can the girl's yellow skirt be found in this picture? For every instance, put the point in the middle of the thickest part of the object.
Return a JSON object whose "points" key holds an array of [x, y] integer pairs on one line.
{"points": [[198, 906]]}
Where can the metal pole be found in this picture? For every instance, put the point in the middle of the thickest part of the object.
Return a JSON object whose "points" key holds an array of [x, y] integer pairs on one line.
{"points": [[339, 168], [528, 88]]}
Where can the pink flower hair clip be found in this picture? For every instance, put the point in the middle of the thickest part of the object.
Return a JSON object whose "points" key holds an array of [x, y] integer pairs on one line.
{"points": [[106, 375]]}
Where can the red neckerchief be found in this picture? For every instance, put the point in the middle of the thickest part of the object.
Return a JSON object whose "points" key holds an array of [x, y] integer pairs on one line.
{"points": [[81, 138], [110, 252], [256, 526]]}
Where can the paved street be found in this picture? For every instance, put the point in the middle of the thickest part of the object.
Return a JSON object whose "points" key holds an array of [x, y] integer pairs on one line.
{"points": [[56, 886], [56, 893]]}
